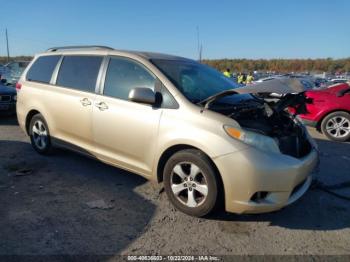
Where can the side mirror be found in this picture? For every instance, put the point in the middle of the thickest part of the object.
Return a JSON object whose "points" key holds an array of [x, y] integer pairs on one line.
{"points": [[142, 95]]}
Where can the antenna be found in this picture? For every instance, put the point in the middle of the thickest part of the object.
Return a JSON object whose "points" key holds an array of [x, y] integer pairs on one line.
{"points": [[7, 45]]}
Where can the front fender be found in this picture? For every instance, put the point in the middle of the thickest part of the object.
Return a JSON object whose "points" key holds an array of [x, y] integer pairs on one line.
{"points": [[203, 134]]}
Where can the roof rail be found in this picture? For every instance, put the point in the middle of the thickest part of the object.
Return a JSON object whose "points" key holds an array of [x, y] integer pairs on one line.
{"points": [[53, 49]]}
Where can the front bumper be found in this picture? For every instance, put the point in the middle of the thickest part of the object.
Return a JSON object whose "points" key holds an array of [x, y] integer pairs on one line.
{"points": [[8, 108], [246, 172]]}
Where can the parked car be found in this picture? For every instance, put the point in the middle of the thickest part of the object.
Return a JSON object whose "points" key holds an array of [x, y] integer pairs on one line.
{"points": [[264, 79], [308, 83], [329, 111], [2, 70], [13, 71], [171, 120], [321, 82], [8, 97], [338, 80]]}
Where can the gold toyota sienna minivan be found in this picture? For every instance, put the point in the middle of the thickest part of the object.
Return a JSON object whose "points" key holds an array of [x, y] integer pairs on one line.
{"points": [[172, 120]]}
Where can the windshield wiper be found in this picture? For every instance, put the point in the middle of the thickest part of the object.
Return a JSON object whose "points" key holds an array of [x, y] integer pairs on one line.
{"points": [[205, 103]]}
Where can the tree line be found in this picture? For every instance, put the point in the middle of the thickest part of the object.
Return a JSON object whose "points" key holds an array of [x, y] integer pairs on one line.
{"points": [[248, 65], [3, 59], [282, 65]]}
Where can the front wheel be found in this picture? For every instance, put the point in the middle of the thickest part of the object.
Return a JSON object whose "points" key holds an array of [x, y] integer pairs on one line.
{"points": [[40, 135], [336, 126], [191, 183]]}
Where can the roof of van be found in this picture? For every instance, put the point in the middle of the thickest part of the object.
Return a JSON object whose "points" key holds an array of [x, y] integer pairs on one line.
{"points": [[109, 50]]}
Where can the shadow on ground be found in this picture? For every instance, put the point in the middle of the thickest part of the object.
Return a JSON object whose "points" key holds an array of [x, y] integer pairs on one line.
{"points": [[8, 120], [44, 208], [44, 204]]}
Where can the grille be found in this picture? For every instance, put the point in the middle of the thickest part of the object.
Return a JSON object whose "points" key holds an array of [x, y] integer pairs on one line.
{"points": [[5, 98]]}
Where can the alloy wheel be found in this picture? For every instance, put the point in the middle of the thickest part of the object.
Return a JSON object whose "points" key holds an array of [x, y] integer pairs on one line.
{"points": [[188, 184], [40, 135], [338, 127]]}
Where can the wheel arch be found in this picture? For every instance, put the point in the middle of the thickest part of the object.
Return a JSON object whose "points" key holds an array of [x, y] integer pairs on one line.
{"points": [[29, 117], [319, 123], [176, 148]]}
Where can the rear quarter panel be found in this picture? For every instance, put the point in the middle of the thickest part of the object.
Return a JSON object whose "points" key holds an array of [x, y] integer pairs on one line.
{"points": [[323, 103], [30, 97]]}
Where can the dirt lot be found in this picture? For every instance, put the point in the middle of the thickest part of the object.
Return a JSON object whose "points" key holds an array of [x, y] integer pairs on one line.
{"points": [[46, 207]]}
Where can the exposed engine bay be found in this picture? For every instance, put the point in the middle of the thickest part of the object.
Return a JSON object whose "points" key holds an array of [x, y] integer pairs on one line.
{"points": [[270, 118]]}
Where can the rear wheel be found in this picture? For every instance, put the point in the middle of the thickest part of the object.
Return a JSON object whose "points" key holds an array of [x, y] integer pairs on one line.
{"points": [[190, 182], [40, 135], [336, 126]]}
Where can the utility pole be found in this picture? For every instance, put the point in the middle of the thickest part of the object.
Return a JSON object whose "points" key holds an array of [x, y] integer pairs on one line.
{"points": [[7, 45], [199, 46]]}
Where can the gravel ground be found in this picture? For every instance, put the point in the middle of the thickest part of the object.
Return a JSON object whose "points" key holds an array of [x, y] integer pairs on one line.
{"points": [[69, 204]]}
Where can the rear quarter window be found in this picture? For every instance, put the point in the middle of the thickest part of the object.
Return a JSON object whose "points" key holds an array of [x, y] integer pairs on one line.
{"points": [[42, 69]]}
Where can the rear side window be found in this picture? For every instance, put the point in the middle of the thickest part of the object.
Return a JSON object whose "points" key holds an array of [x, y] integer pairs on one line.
{"points": [[42, 69], [123, 75], [79, 72]]}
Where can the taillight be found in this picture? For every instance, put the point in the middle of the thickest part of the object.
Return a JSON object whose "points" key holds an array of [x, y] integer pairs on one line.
{"points": [[18, 86]]}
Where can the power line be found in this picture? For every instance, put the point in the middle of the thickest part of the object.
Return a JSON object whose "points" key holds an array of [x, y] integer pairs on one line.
{"points": [[7, 46], [199, 46]]}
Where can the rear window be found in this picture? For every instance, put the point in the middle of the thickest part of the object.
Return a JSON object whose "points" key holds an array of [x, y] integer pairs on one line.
{"points": [[42, 69], [79, 72]]}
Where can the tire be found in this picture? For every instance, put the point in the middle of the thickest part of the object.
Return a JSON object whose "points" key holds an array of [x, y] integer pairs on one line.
{"points": [[40, 135], [202, 184], [336, 126]]}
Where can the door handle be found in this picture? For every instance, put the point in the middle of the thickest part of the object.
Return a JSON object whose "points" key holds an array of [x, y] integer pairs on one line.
{"points": [[85, 102], [101, 105]]}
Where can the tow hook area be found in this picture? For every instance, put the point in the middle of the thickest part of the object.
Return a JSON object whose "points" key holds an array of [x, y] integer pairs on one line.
{"points": [[259, 197]]}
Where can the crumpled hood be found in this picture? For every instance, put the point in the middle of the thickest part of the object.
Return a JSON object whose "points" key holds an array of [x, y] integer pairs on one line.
{"points": [[279, 86]]}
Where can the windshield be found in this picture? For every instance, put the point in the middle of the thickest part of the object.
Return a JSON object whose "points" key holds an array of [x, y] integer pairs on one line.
{"points": [[194, 80]]}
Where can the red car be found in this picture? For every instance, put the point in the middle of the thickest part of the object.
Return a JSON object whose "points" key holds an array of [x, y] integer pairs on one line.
{"points": [[329, 111]]}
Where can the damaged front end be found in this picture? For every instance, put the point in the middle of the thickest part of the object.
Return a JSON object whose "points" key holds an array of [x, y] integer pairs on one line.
{"points": [[265, 122]]}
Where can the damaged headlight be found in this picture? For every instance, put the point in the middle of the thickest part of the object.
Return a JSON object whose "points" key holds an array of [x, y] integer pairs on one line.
{"points": [[261, 142]]}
